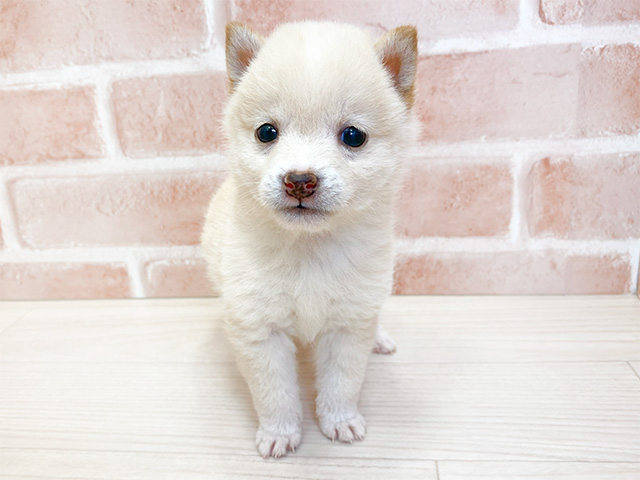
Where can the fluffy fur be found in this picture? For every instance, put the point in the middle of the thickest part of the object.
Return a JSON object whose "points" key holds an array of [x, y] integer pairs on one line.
{"points": [[321, 273]]}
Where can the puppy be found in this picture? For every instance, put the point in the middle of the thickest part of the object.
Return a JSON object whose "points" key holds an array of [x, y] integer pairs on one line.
{"points": [[299, 238]]}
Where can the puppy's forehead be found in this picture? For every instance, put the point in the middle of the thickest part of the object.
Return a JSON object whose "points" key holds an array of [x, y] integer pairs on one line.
{"points": [[321, 41], [323, 69]]}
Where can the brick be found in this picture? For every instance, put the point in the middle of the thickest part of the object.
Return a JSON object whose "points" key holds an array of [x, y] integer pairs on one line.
{"points": [[178, 278], [511, 94], [35, 34], [433, 19], [591, 197], [512, 273], [589, 12], [170, 115], [51, 281], [154, 209], [38, 126], [561, 11], [455, 200], [609, 98]]}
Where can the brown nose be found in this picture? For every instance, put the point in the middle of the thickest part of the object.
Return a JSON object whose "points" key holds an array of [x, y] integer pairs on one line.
{"points": [[300, 184]]}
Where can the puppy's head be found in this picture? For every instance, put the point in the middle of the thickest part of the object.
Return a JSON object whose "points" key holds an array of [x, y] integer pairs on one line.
{"points": [[318, 120]]}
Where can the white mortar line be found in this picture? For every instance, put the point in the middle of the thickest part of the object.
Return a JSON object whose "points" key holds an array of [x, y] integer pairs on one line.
{"points": [[232, 9], [426, 245], [518, 225], [213, 163], [528, 12], [209, 13], [635, 267], [586, 247], [137, 277], [577, 146], [106, 120], [8, 223], [587, 37], [208, 62], [221, 13], [103, 254]]}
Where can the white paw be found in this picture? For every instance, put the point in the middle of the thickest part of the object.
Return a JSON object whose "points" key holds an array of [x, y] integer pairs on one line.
{"points": [[276, 443], [383, 343], [343, 429]]}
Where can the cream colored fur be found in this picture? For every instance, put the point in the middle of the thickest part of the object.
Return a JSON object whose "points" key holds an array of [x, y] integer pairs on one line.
{"points": [[321, 274]]}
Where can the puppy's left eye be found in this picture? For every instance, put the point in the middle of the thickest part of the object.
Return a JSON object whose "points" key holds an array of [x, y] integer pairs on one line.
{"points": [[353, 137]]}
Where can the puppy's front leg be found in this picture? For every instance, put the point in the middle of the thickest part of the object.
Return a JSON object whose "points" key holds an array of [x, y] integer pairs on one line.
{"points": [[341, 361], [269, 368]]}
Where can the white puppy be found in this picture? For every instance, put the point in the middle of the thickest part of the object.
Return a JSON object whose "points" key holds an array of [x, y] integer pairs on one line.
{"points": [[299, 238]]}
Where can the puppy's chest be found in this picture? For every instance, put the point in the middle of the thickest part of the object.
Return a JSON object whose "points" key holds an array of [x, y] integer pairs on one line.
{"points": [[327, 287]]}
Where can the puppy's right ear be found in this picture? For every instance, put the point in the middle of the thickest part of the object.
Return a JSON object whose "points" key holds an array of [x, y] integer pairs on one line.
{"points": [[398, 53], [242, 45]]}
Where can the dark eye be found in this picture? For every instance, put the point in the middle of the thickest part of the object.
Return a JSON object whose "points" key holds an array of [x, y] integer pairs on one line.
{"points": [[353, 137], [267, 133]]}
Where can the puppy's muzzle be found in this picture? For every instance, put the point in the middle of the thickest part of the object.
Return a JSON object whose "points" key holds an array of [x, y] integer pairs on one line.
{"points": [[300, 185]]}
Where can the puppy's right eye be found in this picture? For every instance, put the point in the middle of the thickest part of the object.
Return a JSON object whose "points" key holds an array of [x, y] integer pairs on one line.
{"points": [[266, 133], [353, 137]]}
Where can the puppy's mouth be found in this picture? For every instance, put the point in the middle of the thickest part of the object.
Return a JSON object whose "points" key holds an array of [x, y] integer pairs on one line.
{"points": [[303, 210], [303, 213]]}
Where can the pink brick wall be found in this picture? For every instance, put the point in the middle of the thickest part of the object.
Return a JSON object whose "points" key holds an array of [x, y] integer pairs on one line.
{"points": [[526, 178]]}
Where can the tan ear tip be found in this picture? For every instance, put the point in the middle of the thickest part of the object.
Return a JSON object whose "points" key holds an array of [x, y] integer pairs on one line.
{"points": [[408, 32], [405, 35], [233, 27], [235, 24], [230, 27], [237, 30]]}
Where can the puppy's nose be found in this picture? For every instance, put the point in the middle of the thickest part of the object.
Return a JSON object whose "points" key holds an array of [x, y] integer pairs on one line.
{"points": [[300, 184]]}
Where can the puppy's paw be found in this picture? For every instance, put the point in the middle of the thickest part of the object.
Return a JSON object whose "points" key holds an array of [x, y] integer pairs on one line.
{"points": [[277, 443], [383, 343], [345, 430]]}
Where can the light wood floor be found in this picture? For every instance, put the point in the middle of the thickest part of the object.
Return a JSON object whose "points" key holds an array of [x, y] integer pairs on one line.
{"points": [[480, 388]]}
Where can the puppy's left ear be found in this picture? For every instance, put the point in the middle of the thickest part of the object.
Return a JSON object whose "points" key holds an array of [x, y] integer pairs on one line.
{"points": [[398, 53], [242, 45]]}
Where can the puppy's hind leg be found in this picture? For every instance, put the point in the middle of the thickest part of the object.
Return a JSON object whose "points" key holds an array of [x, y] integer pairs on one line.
{"points": [[341, 361], [269, 367], [384, 344]]}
